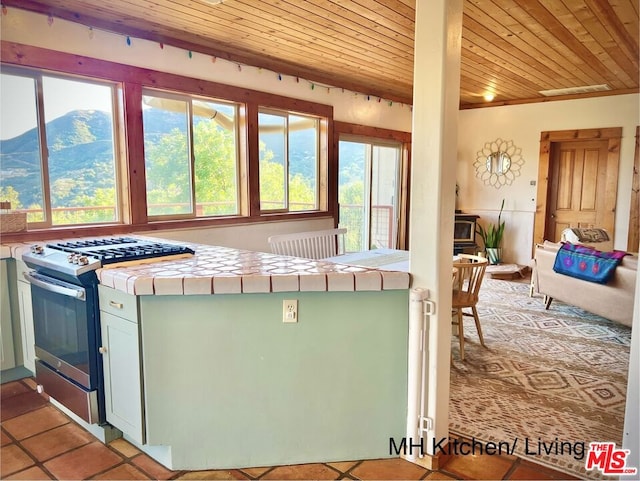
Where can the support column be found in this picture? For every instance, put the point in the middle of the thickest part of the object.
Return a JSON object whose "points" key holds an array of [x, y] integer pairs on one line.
{"points": [[436, 95]]}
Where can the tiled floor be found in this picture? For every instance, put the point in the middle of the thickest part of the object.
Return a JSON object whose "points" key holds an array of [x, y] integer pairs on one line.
{"points": [[40, 442]]}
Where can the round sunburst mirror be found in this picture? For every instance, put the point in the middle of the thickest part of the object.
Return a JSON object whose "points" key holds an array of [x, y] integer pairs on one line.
{"points": [[498, 163]]}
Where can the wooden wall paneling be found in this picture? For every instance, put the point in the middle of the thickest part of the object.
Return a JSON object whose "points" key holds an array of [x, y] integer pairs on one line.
{"points": [[612, 174]]}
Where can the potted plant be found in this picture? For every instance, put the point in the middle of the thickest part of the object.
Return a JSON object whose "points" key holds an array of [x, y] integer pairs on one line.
{"points": [[492, 238]]}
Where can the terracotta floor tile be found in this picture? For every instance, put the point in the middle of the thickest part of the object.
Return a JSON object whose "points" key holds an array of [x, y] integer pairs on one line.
{"points": [[34, 422], [528, 470], [13, 459], [57, 441], [219, 474], [394, 468], [438, 475], [483, 466], [255, 472], [5, 439], [152, 467], [83, 462], [32, 474], [302, 471], [12, 389], [21, 403], [123, 472], [343, 466], [124, 447]]}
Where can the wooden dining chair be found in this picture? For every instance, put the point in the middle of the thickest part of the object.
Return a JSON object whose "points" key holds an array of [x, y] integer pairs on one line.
{"points": [[467, 282]]}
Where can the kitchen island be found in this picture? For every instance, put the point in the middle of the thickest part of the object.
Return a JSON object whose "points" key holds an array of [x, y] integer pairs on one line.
{"points": [[201, 372]]}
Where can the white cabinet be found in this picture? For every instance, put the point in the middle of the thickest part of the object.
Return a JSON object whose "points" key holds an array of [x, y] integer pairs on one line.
{"points": [[7, 354], [122, 362], [25, 311]]}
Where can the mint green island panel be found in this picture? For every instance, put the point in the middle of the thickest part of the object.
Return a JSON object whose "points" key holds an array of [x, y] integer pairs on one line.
{"points": [[228, 384]]}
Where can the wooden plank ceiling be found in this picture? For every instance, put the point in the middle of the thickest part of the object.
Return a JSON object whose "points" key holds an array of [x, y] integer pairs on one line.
{"points": [[511, 48]]}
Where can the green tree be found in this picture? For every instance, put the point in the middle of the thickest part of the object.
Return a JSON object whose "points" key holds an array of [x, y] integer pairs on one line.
{"points": [[215, 169], [10, 194], [215, 173]]}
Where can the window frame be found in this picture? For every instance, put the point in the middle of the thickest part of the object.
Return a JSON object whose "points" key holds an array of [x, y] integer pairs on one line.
{"points": [[377, 135], [286, 115], [189, 99], [132, 80], [37, 75]]}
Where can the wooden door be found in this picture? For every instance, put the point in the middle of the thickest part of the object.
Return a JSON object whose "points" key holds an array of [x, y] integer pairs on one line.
{"points": [[578, 190], [557, 174]]}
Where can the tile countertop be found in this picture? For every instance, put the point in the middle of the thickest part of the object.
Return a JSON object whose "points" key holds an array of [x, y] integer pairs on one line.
{"points": [[223, 270]]}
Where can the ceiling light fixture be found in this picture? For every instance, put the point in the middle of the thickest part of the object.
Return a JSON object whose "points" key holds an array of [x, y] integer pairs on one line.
{"points": [[575, 90], [213, 2], [489, 96]]}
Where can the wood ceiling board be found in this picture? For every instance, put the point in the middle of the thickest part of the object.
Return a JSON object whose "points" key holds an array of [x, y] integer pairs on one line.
{"points": [[525, 41], [514, 47]]}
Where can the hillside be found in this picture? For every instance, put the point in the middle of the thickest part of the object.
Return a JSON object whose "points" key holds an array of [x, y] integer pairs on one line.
{"points": [[81, 155]]}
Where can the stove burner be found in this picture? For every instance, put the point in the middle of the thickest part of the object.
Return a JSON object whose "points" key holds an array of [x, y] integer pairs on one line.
{"points": [[75, 245], [80, 256], [136, 252]]}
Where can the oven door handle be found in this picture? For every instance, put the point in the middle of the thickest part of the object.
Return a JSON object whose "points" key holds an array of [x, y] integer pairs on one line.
{"points": [[59, 287]]}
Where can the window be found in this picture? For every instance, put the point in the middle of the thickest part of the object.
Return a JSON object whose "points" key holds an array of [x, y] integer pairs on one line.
{"points": [[58, 148], [368, 193], [191, 160], [289, 161], [71, 139]]}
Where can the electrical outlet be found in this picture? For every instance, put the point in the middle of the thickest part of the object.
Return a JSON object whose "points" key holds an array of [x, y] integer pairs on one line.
{"points": [[290, 310]]}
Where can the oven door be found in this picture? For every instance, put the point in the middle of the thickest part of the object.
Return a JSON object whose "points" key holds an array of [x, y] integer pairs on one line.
{"points": [[62, 320]]}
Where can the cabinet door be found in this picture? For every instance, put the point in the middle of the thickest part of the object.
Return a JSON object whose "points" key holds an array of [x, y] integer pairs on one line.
{"points": [[122, 386], [7, 356], [26, 324]]}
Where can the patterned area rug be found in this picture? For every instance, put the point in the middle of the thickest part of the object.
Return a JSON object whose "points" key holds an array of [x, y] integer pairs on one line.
{"points": [[553, 381]]}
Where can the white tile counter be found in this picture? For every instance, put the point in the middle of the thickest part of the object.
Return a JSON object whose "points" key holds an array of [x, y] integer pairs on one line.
{"points": [[223, 270]]}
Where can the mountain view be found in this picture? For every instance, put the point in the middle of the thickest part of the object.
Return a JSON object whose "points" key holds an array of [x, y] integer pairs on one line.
{"points": [[80, 156], [81, 167]]}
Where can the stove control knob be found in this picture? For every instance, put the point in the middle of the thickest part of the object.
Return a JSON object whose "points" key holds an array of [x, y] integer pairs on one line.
{"points": [[83, 260], [71, 258], [37, 249]]}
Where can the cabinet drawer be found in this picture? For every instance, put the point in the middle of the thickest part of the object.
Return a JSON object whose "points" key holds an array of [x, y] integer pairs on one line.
{"points": [[118, 303]]}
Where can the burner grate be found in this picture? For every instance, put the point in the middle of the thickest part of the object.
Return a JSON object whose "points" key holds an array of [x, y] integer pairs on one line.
{"points": [[120, 249], [73, 246]]}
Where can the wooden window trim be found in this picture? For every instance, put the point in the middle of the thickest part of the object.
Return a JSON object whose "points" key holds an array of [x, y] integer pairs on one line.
{"points": [[345, 128], [133, 80]]}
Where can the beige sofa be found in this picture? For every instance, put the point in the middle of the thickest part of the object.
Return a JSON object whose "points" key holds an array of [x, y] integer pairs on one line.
{"points": [[614, 300]]}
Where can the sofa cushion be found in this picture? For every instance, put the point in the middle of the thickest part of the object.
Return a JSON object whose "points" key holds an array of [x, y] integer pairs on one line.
{"points": [[586, 263]]}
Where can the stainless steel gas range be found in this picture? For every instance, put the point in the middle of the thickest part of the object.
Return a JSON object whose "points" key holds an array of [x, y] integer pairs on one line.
{"points": [[66, 314]]}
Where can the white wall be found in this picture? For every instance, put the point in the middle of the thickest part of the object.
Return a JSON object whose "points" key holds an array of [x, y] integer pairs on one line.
{"points": [[523, 124], [252, 237]]}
